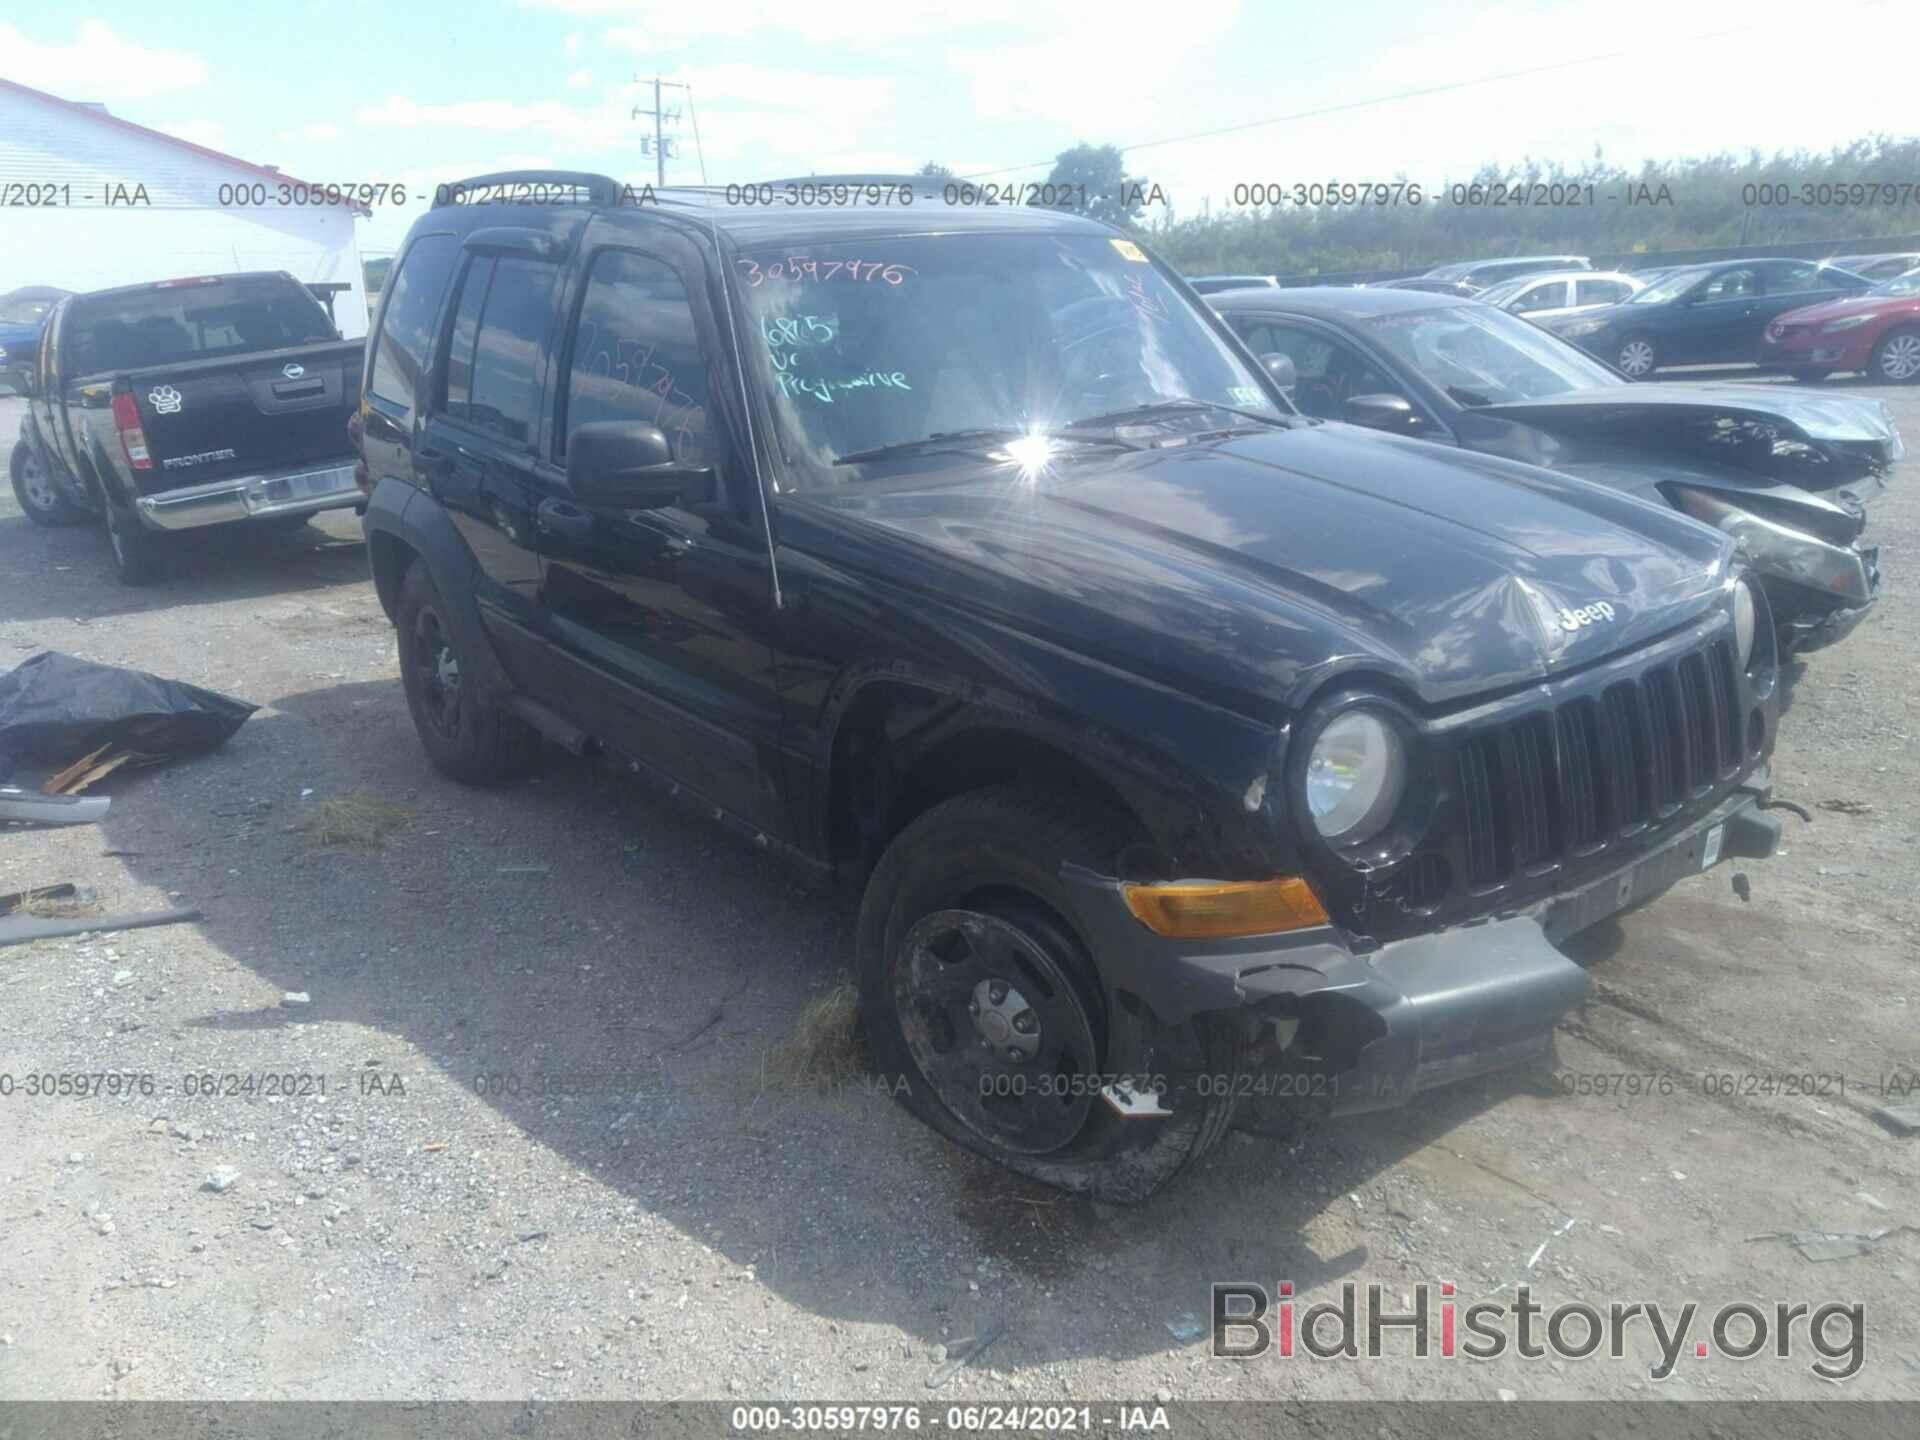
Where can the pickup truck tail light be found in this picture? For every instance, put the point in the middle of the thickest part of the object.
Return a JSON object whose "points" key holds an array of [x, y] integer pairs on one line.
{"points": [[133, 440], [362, 476]]}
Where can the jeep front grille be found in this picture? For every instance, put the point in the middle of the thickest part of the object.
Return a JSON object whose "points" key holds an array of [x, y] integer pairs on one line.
{"points": [[1558, 783]]}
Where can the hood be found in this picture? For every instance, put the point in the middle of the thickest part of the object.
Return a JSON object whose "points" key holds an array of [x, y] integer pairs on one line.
{"points": [[1814, 438], [1849, 305], [1264, 565]]}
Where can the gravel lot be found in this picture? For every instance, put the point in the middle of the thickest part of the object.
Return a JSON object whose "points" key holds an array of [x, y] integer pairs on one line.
{"points": [[682, 1228]]}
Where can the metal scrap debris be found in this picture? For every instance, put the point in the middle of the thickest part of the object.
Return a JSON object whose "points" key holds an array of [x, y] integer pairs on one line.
{"points": [[18, 929], [59, 891], [1819, 1246], [1900, 1119], [39, 809], [963, 1352]]}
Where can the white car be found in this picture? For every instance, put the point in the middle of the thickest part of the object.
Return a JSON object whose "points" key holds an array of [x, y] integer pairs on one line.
{"points": [[1541, 298]]}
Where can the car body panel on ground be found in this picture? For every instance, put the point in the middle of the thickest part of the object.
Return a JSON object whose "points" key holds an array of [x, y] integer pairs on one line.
{"points": [[1461, 373]]}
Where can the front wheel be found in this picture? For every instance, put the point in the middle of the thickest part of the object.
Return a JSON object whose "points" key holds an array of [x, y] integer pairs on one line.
{"points": [[1637, 356], [39, 497], [1896, 359], [987, 1016]]}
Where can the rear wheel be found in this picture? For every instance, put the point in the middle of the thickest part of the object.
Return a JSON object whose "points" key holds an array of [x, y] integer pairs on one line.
{"points": [[1637, 356], [986, 1013], [39, 497], [1896, 359], [466, 737], [139, 554]]}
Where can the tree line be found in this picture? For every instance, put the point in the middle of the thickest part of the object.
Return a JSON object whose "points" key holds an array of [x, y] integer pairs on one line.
{"points": [[1860, 191]]}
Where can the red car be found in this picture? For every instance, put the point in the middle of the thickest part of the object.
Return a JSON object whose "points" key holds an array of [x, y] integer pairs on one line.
{"points": [[1878, 332]]}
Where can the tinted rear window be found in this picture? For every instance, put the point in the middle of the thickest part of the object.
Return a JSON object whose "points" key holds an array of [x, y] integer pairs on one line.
{"points": [[194, 322]]}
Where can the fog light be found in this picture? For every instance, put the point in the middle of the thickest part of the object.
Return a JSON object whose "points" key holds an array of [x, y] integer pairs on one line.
{"points": [[1222, 909]]}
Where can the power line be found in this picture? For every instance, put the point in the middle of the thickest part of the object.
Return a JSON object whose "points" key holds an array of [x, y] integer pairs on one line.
{"points": [[1390, 99]]}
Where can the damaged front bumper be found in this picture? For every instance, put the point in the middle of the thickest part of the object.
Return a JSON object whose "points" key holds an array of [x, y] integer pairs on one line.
{"points": [[1343, 1032]]}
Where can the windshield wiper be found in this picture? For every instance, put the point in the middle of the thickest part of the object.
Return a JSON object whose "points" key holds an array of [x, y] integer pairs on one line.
{"points": [[971, 439], [1178, 406]]}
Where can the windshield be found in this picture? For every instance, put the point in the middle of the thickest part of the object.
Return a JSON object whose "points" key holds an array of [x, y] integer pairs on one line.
{"points": [[1483, 356], [1667, 287], [1900, 285], [876, 343], [24, 312]]}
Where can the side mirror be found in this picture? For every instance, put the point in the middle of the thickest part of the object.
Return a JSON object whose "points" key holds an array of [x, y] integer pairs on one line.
{"points": [[1382, 412], [1280, 367], [631, 465]]}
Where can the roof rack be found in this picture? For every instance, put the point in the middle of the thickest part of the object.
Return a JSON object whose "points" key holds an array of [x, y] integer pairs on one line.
{"points": [[863, 177], [600, 189]]}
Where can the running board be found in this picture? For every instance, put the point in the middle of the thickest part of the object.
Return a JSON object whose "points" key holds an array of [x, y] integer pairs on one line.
{"points": [[562, 732]]}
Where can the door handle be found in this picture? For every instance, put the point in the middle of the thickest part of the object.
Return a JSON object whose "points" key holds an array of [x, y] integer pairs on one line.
{"points": [[564, 519]]}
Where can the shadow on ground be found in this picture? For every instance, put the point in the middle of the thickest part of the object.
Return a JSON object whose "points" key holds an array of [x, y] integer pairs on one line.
{"points": [[576, 926]]}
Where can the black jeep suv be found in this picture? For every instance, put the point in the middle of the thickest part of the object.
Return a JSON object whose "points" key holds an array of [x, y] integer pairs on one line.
{"points": [[1201, 761]]}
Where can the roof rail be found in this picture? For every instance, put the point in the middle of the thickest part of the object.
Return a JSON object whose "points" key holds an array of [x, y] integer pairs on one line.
{"points": [[856, 178], [599, 189]]}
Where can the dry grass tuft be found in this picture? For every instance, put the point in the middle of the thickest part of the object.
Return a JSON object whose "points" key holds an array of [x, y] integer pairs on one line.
{"points": [[54, 907], [824, 1051], [357, 819]]}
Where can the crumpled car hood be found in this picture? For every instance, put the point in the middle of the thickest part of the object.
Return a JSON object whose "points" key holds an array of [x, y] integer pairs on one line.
{"points": [[1811, 438], [1266, 564]]}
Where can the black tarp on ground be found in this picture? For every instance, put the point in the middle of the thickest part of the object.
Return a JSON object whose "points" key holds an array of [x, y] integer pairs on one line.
{"points": [[55, 708]]}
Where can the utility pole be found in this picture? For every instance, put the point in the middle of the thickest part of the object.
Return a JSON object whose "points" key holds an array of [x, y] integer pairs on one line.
{"points": [[661, 143]]}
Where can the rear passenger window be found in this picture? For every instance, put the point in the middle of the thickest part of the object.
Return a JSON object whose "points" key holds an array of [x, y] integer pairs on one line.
{"points": [[406, 332], [514, 319], [466, 330], [1599, 292], [636, 355]]}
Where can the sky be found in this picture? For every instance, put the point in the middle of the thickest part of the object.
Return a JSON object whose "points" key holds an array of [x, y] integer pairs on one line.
{"points": [[430, 90]]}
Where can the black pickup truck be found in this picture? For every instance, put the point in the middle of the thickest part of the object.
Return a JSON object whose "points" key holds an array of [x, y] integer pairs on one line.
{"points": [[1201, 762], [168, 406]]}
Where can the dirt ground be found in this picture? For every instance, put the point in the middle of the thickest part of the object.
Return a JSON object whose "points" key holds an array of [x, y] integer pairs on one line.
{"points": [[677, 1225]]}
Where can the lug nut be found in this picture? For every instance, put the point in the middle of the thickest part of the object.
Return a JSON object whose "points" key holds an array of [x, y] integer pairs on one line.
{"points": [[1013, 1054], [1026, 1022], [996, 990]]}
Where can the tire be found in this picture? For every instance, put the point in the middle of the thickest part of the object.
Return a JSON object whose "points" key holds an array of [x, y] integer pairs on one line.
{"points": [[1896, 359], [39, 497], [466, 738], [1809, 377], [959, 932], [139, 554], [1636, 357]]}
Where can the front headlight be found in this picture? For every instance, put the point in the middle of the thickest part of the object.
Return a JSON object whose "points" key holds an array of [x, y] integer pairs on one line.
{"points": [[1783, 551], [1355, 774], [1743, 621], [1834, 327]]}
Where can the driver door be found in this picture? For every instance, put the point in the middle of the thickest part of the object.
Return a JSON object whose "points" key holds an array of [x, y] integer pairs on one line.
{"points": [[662, 617]]}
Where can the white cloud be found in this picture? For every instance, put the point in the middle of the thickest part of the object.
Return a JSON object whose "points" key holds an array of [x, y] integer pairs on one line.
{"points": [[580, 80], [98, 65], [596, 127], [317, 130], [572, 43]]}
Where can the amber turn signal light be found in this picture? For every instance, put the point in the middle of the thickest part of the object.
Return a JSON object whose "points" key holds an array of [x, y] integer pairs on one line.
{"points": [[1223, 909]]}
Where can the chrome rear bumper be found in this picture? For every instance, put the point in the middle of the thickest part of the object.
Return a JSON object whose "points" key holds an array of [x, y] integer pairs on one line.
{"points": [[251, 497]]}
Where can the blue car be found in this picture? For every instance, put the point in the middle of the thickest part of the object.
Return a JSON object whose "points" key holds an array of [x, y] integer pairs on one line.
{"points": [[1709, 314], [23, 313]]}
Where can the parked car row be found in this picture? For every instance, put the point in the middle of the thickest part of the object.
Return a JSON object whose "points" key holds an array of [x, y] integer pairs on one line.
{"points": [[1201, 758], [1788, 475]]}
